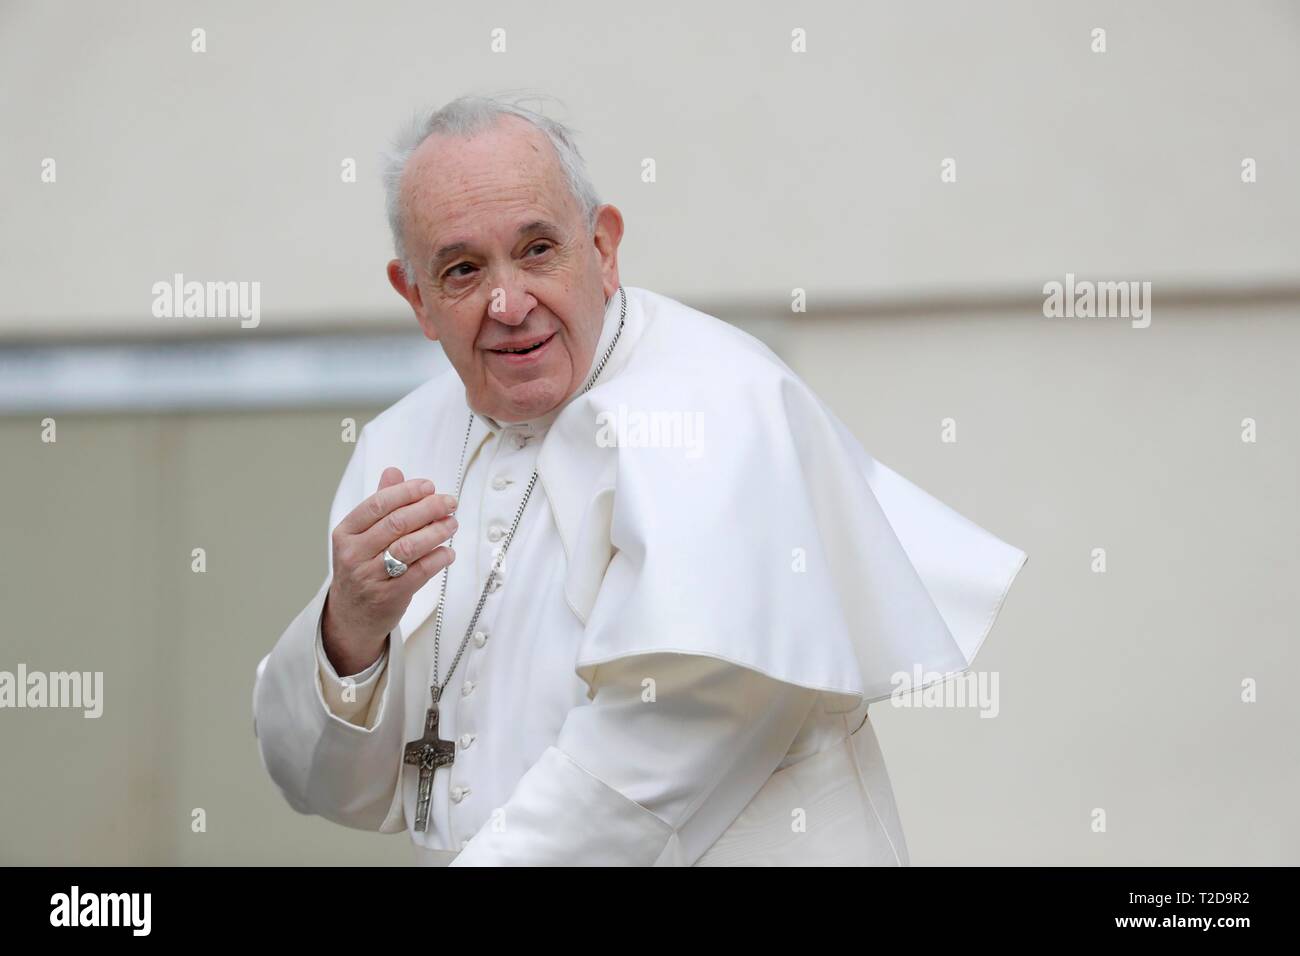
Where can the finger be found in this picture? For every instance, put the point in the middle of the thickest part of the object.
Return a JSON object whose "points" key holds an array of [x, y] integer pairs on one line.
{"points": [[383, 501], [412, 547], [391, 476], [403, 521], [419, 573]]}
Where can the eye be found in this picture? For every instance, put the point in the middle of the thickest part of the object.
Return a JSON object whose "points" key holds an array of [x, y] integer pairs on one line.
{"points": [[539, 245], [453, 274]]}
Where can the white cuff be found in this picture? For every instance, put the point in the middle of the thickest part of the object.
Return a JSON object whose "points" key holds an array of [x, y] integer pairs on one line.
{"points": [[348, 697]]}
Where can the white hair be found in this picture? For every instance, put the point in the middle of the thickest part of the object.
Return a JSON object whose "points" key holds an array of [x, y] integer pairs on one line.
{"points": [[465, 116]]}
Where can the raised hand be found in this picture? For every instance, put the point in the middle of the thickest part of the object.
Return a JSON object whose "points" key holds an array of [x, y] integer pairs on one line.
{"points": [[409, 520]]}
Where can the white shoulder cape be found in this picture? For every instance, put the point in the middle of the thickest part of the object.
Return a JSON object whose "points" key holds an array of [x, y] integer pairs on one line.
{"points": [[776, 542]]}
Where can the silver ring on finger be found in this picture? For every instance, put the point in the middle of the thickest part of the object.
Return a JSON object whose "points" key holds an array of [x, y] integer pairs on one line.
{"points": [[394, 567]]}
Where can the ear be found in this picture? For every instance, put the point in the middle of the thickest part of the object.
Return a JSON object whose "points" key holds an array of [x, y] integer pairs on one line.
{"points": [[607, 235], [410, 291]]}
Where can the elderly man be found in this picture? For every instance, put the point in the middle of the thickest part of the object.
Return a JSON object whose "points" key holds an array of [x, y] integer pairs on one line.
{"points": [[618, 588]]}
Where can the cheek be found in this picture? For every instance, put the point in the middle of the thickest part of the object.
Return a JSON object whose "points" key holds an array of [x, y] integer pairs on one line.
{"points": [[568, 355], [461, 336]]}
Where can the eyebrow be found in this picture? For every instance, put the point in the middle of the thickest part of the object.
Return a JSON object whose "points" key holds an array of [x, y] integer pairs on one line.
{"points": [[453, 249]]}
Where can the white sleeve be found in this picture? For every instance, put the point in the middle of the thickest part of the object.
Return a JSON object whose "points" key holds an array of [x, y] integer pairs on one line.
{"points": [[335, 689], [624, 784]]}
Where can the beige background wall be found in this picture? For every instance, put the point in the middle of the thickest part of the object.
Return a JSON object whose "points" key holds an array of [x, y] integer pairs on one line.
{"points": [[1118, 690], [226, 164]]}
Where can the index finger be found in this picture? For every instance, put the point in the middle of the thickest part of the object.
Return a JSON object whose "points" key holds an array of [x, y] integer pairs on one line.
{"points": [[383, 502]]}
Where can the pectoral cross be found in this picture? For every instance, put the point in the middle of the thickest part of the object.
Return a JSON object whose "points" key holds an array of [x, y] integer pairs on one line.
{"points": [[428, 753]]}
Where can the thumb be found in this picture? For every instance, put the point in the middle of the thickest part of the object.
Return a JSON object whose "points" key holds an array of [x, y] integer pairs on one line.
{"points": [[391, 476]]}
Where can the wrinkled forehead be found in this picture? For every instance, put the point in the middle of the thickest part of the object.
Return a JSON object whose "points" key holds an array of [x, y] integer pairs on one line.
{"points": [[505, 171]]}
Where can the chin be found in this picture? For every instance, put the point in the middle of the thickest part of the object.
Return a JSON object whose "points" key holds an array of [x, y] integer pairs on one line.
{"points": [[531, 399]]}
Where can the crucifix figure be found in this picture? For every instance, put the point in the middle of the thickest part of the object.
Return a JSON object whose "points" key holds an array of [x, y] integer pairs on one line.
{"points": [[428, 753]]}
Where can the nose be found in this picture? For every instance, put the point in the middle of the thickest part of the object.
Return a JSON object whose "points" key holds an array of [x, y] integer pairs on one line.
{"points": [[510, 305]]}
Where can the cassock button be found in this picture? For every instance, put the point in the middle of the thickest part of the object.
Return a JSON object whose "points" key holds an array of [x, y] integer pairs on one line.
{"points": [[495, 583], [500, 482], [496, 532], [466, 740], [520, 440], [459, 793], [467, 688], [480, 638]]}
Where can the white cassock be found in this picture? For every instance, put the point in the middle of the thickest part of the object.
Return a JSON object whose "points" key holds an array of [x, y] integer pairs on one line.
{"points": [[677, 665]]}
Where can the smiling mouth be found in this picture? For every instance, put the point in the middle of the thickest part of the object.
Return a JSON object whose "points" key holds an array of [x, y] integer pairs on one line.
{"points": [[526, 349]]}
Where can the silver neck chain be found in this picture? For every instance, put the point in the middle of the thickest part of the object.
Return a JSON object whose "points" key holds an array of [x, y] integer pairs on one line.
{"points": [[435, 688]]}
